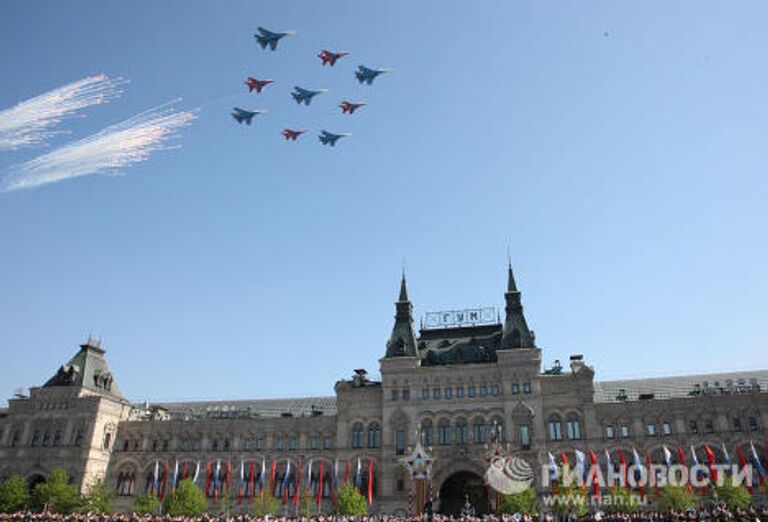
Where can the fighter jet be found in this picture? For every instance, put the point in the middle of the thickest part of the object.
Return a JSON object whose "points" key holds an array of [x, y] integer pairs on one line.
{"points": [[257, 85], [304, 95], [351, 107], [364, 74], [329, 57], [290, 134], [266, 37], [329, 138], [243, 115]]}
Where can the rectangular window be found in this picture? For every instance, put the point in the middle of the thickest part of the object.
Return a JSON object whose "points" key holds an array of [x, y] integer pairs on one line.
{"points": [[709, 426], [461, 433], [609, 432], [624, 432], [35, 439], [292, 442], [279, 443], [400, 485], [693, 426], [436, 393], [395, 394], [666, 429], [327, 443], [459, 392], [470, 391], [259, 443], [447, 393], [515, 388], [406, 394], [444, 434], [555, 430], [313, 442], [526, 387], [483, 390], [736, 424], [479, 430], [574, 429], [650, 430], [400, 442], [495, 390], [752, 424], [425, 393], [57, 438], [525, 436]]}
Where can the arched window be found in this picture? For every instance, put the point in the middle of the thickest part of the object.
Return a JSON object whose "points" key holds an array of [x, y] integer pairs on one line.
{"points": [[573, 428], [426, 432], [374, 436], [478, 430], [443, 432], [498, 431], [357, 435], [555, 428], [462, 431], [126, 482]]}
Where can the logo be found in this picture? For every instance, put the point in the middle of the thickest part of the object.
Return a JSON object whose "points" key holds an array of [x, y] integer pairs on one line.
{"points": [[509, 475]]}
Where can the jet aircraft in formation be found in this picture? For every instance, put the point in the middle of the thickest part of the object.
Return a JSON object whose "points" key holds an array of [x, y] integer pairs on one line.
{"points": [[329, 57], [256, 85], [291, 134], [351, 107], [367, 75], [269, 38], [305, 95], [243, 115], [329, 138]]}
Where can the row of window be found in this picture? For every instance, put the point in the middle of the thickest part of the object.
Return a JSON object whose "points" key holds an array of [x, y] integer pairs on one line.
{"points": [[282, 443], [45, 439], [652, 430], [460, 432], [572, 428], [483, 390], [373, 439]]}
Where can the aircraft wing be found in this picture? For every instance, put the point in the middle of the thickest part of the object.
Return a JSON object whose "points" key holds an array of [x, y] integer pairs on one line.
{"points": [[265, 32]]}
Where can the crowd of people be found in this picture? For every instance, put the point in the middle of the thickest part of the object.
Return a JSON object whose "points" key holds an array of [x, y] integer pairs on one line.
{"points": [[711, 514]]}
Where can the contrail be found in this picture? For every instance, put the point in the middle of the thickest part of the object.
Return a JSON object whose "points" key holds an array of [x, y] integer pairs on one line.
{"points": [[30, 122], [115, 147]]}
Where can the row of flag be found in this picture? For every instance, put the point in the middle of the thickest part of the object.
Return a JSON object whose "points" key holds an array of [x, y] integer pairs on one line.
{"points": [[287, 484], [580, 467]]}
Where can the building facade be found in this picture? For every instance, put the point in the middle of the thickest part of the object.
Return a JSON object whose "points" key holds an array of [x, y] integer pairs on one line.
{"points": [[462, 387]]}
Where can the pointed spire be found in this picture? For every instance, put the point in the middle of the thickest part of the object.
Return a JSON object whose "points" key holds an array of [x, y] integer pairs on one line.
{"points": [[516, 333], [402, 342], [403, 290]]}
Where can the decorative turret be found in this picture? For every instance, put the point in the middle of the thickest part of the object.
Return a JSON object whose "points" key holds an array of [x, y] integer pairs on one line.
{"points": [[516, 332], [402, 342]]}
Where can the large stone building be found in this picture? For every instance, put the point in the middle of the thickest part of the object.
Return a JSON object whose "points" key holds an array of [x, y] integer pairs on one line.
{"points": [[462, 385]]}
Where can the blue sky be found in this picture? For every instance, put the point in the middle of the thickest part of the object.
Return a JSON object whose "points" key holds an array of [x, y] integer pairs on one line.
{"points": [[625, 172]]}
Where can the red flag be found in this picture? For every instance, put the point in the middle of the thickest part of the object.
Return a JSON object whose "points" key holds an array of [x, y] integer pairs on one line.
{"points": [[320, 485], [272, 477], [346, 472], [623, 468], [226, 477], [595, 483], [370, 482], [164, 484], [564, 459], [184, 471], [681, 457], [208, 480], [711, 461], [252, 472], [298, 485], [743, 462]]}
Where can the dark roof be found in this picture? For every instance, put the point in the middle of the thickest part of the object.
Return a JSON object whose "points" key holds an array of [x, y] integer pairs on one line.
{"points": [[468, 344], [682, 386], [87, 369], [296, 407]]}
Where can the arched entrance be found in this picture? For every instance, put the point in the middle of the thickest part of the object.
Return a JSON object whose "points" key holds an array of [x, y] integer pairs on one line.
{"points": [[459, 488], [34, 480]]}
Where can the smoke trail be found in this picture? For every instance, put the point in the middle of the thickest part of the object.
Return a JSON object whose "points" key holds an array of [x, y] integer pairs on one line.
{"points": [[115, 147], [30, 122]]}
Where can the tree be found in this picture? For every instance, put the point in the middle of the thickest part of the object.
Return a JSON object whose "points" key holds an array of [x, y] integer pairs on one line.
{"points": [[734, 496], [621, 500], [56, 493], [349, 501], [146, 503], [97, 498], [523, 502], [14, 494], [265, 504], [676, 498], [186, 500]]}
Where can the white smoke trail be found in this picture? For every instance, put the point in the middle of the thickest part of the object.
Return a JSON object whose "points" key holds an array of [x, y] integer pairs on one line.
{"points": [[115, 147], [30, 122]]}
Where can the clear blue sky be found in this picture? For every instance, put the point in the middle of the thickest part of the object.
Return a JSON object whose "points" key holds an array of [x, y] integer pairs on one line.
{"points": [[627, 174]]}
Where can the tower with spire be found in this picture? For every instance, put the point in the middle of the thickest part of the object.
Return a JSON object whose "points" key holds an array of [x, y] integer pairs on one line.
{"points": [[516, 333], [402, 342]]}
